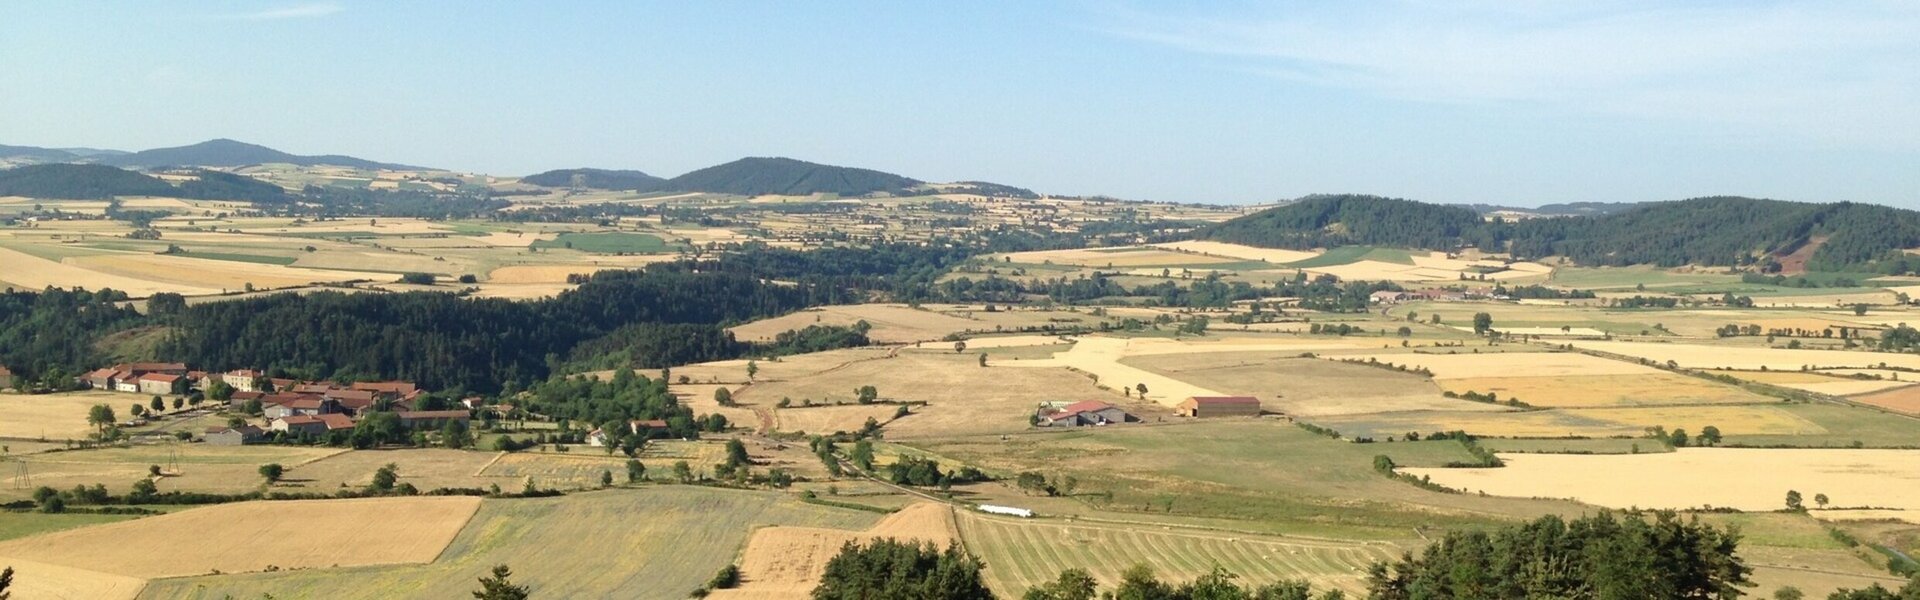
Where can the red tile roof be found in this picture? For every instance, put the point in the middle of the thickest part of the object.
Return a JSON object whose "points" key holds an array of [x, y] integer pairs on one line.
{"points": [[386, 387], [336, 421], [160, 377], [301, 420]]}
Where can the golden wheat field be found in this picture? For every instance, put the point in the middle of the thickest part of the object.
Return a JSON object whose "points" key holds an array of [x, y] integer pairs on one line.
{"points": [[1603, 391], [257, 536], [1742, 478]]}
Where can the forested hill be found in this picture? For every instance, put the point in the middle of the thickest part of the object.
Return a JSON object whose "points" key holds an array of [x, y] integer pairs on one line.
{"points": [[230, 153], [79, 182], [1720, 231], [1327, 221], [599, 179], [97, 182], [761, 176]]}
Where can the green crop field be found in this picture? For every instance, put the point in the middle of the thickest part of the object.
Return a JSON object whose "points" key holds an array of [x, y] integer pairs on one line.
{"points": [[608, 243], [656, 542], [1020, 554], [1266, 470]]}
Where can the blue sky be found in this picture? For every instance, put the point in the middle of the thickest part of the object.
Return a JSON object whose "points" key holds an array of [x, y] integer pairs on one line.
{"points": [[1515, 102]]}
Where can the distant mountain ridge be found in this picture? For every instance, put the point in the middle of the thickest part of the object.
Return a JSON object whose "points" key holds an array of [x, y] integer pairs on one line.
{"points": [[599, 179], [1718, 231], [229, 153], [759, 176], [1565, 209], [752, 176]]}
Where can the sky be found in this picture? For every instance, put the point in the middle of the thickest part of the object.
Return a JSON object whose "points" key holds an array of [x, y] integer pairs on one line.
{"points": [[1517, 102]]}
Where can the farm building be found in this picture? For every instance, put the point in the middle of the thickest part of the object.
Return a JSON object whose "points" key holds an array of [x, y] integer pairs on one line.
{"points": [[232, 436], [245, 380], [104, 378], [162, 383], [435, 419], [287, 405], [7, 379], [298, 424], [1389, 297], [1080, 414], [1220, 406]]}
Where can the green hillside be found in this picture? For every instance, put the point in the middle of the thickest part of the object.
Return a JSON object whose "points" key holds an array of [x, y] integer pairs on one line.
{"points": [[761, 176], [1718, 231], [79, 182], [599, 179]]}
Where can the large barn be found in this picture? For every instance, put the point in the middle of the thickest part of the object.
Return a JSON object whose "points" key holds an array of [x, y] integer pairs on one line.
{"points": [[1220, 406]]}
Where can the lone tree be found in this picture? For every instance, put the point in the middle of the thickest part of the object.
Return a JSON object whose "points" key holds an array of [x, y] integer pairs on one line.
{"points": [[1142, 388], [723, 397], [157, 404], [1820, 499], [384, 478], [959, 346], [1793, 501], [1482, 323], [6, 581], [753, 368], [272, 472], [1710, 436], [636, 470], [497, 586], [100, 416]]}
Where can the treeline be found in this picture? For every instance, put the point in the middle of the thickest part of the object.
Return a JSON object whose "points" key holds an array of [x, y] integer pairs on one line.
{"points": [[48, 337], [443, 341], [1718, 231]]}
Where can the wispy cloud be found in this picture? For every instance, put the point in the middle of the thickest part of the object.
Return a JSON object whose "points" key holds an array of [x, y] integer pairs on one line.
{"points": [[303, 11], [1843, 69]]}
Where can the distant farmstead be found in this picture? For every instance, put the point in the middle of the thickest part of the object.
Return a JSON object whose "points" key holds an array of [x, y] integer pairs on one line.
{"points": [[1220, 406], [1081, 414]]}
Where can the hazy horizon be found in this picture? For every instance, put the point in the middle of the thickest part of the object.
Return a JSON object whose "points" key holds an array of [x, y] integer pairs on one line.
{"points": [[1479, 102]]}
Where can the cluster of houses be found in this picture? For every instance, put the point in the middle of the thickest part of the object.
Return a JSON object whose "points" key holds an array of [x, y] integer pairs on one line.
{"points": [[289, 406], [598, 438]]}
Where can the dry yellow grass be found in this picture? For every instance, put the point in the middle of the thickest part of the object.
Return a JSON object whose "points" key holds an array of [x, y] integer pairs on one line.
{"points": [[1742, 478], [787, 562], [219, 275], [1747, 358], [1818, 382], [892, 323], [426, 469], [1239, 252], [54, 416], [1512, 364], [255, 536], [1579, 422], [34, 580], [35, 273], [1587, 391]]}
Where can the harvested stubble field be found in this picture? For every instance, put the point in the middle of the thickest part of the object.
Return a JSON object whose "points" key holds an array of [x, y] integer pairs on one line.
{"points": [[1020, 554], [1303, 386], [963, 397], [892, 323], [1741, 478], [1239, 252], [1819, 383], [216, 275], [1748, 358], [787, 562], [54, 417], [1506, 361], [1580, 422], [253, 536], [188, 467], [1116, 257], [1101, 356], [589, 545], [425, 468], [1904, 400], [781, 369], [1605, 391]]}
